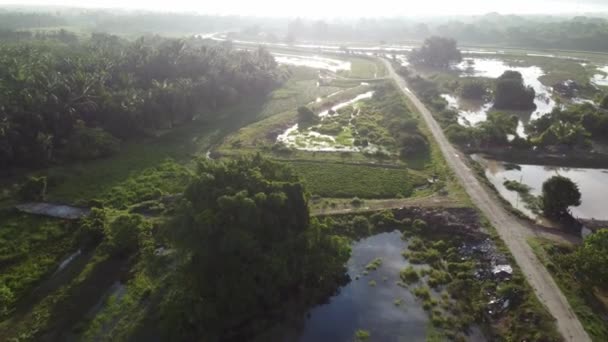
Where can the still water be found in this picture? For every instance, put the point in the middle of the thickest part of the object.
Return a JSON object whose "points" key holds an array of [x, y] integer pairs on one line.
{"points": [[593, 184], [362, 306]]}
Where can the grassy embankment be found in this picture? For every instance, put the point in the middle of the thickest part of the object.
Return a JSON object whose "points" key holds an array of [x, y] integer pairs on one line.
{"points": [[589, 304]]}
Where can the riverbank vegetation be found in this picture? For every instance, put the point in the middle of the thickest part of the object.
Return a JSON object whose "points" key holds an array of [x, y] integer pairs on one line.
{"points": [[453, 280], [580, 273]]}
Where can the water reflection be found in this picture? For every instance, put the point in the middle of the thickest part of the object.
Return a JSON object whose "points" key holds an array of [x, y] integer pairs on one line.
{"points": [[314, 61], [493, 68], [593, 184], [372, 308]]}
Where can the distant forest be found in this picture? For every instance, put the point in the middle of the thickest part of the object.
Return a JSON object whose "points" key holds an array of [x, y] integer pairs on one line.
{"points": [[573, 33]]}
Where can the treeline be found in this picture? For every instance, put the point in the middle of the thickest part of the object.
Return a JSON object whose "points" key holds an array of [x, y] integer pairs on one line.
{"points": [[129, 22], [72, 101], [579, 33], [18, 21]]}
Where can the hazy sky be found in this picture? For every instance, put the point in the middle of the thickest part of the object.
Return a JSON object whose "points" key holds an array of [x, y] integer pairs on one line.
{"points": [[337, 8]]}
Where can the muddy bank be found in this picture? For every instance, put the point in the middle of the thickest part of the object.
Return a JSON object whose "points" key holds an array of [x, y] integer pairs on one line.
{"points": [[456, 221]]}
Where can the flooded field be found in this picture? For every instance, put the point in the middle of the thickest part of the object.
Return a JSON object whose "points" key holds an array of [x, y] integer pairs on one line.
{"points": [[360, 305], [493, 68], [593, 184], [310, 140], [601, 79], [313, 61]]}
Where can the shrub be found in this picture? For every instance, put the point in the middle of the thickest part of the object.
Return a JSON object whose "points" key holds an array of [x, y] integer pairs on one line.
{"points": [[93, 226], [438, 278], [306, 116], [472, 90], [34, 189], [409, 275], [419, 224], [127, 233], [90, 143], [6, 300], [362, 335], [422, 292], [356, 202], [360, 225]]}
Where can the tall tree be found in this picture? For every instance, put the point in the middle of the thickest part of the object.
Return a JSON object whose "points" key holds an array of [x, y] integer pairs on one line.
{"points": [[559, 193], [249, 250], [437, 52], [511, 93]]}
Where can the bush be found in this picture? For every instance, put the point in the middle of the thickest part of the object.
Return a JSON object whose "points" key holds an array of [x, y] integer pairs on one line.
{"points": [[472, 90], [34, 189], [511, 93], [360, 225], [91, 143], [413, 145], [409, 275], [306, 116], [356, 202], [93, 227], [6, 300], [127, 233]]}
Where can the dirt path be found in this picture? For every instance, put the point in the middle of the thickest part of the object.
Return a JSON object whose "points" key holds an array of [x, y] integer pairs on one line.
{"points": [[513, 232]]}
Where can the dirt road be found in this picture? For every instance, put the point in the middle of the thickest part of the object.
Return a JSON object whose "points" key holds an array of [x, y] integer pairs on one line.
{"points": [[513, 232]]}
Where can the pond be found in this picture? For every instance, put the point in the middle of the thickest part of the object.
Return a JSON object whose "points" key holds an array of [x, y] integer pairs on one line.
{"points": [[593, 184], [312, 61], [311, 140], [493, 68], [360, 305]]}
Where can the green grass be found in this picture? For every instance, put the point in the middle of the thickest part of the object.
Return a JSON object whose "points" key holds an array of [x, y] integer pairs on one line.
{"points": [[345, 180], [365, 69], [30, 248], [581, 297]]}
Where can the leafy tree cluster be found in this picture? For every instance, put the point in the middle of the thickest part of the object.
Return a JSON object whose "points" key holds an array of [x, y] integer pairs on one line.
{"points": [[249, 251], [571, 127], [578, 33], [493, 132], [511, 93], [472, 89], [437, 52], [559, 193], [75, 101], [591, 259]]}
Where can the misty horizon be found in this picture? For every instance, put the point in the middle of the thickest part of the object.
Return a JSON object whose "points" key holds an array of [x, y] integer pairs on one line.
{"points": [[318, 9]]}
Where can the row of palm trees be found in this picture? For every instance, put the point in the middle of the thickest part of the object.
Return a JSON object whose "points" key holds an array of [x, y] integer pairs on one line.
{"points": [[48, 88]]}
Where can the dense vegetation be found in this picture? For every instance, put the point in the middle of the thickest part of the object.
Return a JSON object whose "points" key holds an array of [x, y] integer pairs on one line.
{"points": [[347, 181], [581, 273], [511, 93], [75, 102], [437, 52], [559, 193], [578, 33], [572, 127], [249, 252]]}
